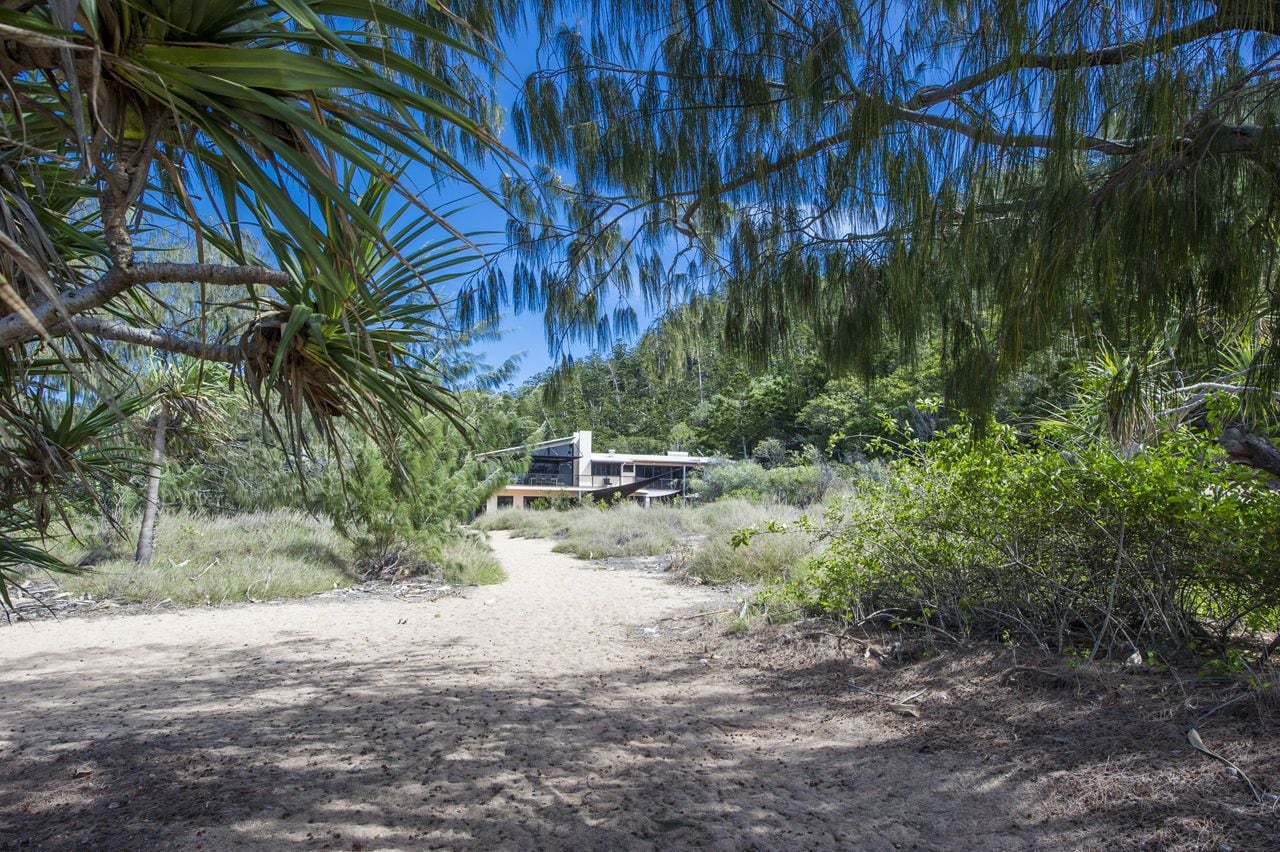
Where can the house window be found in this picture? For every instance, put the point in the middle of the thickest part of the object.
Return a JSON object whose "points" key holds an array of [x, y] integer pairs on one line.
{"points": [[606, 469], [646, 471], [532, 502], [506, 502]]}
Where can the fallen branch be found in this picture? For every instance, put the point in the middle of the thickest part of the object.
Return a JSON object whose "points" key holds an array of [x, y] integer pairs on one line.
{"points": [[697, 615], [1193, 737], [897, 705], [1057, 678], [1223, 706]]}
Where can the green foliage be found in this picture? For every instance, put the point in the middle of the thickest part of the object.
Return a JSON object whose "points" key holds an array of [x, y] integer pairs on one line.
{"points": [[321, 273], [249, 472], [999, 174], [796, 485], [1086, 547], [402, 504], [847, 417], [728, 556]]}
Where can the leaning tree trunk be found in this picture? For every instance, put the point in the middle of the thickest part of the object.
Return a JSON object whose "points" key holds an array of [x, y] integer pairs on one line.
{"points": [[1252, 450], [151, 509]]}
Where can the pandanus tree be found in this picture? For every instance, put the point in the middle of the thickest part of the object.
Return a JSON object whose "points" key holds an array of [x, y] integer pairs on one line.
{"points": [[237, 123], [1003, 174], [191, 399]]}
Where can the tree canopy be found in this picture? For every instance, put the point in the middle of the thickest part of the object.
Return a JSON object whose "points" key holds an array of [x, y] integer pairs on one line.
{"points": [[1000, 173], [289, 143]]}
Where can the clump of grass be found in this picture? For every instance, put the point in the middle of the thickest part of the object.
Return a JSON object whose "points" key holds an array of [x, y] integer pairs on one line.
{"points": [[629, 529], [256, 556], [767, 557], [524, 523], [467, 561]]}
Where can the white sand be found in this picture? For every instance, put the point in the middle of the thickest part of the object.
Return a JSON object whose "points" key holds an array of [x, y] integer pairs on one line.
{"points": [[534, 714]]}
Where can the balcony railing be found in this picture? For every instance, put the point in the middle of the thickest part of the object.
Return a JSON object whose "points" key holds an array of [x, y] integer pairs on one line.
{"points": [[548, 479], [613, 481], [560, 480]]}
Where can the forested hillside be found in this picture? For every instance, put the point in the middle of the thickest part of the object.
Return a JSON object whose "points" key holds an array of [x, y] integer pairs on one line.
{"points": [[681, 386]]}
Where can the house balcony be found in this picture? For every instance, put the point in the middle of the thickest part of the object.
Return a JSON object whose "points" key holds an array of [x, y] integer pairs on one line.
{"points": [[552, 480]]}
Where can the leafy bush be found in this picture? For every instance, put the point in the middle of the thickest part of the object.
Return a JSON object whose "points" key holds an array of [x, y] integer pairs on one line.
{"points": [[796, 485], [400, 507], [1081, 549]]}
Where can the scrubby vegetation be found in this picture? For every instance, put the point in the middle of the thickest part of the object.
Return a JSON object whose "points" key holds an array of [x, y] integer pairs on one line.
{"points": [[892, 384], [701, 536], [402, 506], [199, 559], [1082, 548], [249, 556], [802, 483]]}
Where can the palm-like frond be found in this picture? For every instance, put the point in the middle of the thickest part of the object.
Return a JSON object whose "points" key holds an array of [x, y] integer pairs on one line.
{"points": [[354, 339], [242, 123]]}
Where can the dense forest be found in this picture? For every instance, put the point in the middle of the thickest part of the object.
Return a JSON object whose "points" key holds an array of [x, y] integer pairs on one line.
{"points": [[679, 387]]}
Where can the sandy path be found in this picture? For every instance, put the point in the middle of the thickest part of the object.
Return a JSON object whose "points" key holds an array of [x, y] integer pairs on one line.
{"points": [[535, 714]]}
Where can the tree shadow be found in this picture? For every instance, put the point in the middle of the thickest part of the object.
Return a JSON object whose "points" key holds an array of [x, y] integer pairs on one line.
{"points": [[278, 746], [256, 749]]}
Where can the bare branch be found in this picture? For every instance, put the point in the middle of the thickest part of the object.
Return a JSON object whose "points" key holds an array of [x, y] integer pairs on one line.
{"points": [[15, 329], [992, 136], [152, 339], [1117, 54]]}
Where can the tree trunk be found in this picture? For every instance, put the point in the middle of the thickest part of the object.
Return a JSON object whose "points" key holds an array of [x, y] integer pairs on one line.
{"points": [[151, 509], [1252, 450]]}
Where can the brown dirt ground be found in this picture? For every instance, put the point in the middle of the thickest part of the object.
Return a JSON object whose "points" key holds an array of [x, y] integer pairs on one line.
{"points": [[573, 707]]}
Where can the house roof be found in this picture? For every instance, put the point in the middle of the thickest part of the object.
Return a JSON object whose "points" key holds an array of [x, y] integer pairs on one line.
{"points": [[664, 458], [635, 458]]}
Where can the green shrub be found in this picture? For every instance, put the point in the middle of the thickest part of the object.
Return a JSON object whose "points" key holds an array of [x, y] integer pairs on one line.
{"points": [[400, 507], [796, 485], [1085, 549]]}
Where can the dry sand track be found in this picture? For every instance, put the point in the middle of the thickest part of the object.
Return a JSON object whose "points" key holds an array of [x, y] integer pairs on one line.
{"points": [[532, 715]]}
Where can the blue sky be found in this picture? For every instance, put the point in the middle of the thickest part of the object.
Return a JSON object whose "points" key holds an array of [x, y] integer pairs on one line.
{"points": [[523, 334]]}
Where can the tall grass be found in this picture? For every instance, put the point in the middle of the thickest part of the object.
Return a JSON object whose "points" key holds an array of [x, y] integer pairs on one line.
{"points": [[467, 561], [255, 556], [629, 529], [764, 559]]}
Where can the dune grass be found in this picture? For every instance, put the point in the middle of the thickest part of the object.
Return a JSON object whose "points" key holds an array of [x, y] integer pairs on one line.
{"points": [[766, 558], [467, 561], [629, 529], [626, 529], [256, 556]]}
